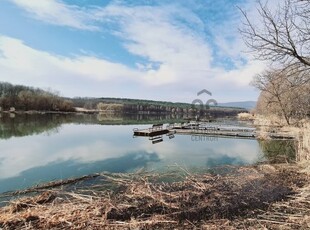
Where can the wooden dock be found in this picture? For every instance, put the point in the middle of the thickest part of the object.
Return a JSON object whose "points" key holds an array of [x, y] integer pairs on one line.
{"points": [[217, 133], [155, 130], [208, 130], [215, 130]]}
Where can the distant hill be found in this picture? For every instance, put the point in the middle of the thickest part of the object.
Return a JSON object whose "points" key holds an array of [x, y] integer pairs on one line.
{"points": [[25, 98], [92, 102], [240, 104], [138, 106]]}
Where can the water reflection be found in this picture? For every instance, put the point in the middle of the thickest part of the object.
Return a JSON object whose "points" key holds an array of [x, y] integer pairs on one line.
{"points": [[40, 149], [24, 125], [19, 125], [224, 160], [278, 151], [159, 138], [68, 168], [156, 139]]}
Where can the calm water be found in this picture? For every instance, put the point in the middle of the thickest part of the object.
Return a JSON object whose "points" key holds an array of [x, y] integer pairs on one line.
{"points": [[41, 148]]}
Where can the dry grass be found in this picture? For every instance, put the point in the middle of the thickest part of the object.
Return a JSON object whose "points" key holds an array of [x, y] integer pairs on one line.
{"points": [[109, 107], [303, 153], [270, 121], [273, 126], [209, 201], [300, 130], [293, 213], [246, 116]]}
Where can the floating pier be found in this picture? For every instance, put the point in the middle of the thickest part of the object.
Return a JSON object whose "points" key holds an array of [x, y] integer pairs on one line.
{"points": [[155, 130], [213, 133], [218, 130], [196, 128]]}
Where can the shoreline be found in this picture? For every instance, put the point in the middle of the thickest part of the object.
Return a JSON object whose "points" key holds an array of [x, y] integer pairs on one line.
{"points": [[240, 196], [259, 196]]}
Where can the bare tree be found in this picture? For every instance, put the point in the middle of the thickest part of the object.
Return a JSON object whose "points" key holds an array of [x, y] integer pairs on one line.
{"points": [[283, 94], [282, 35]]}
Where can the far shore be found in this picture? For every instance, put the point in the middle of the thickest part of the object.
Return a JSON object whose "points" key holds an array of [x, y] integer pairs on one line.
{"points": [[76, 111]]}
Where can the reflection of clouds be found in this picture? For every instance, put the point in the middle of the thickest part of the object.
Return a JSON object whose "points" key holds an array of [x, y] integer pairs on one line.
{"points": [[17, 157], [94, 143], [183, 151], [96, 151], [79, 143], [245, 150], [223, 160], [68, 169]]}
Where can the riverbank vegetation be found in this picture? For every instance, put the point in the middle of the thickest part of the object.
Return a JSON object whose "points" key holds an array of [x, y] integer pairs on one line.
{"points": [[284, 96], [230, 197], [18, 97], [282, 38]]}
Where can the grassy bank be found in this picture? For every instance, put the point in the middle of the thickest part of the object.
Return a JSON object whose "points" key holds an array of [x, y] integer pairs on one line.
{"points": [[227, 198], [300, 129]]}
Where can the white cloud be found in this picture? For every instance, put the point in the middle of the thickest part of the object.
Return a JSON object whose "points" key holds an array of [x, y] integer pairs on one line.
{"points": [[242, 77], [21, 61], [184, 54], [21, 64], [178, 57], [155, 34], [57, 13]]}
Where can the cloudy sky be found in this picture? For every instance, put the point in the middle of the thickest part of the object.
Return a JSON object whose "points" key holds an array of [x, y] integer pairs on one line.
{"points": [[146, 49]]}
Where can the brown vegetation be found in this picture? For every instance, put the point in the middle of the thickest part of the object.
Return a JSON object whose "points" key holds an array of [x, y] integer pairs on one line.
{"points": [[246, 116], [238, 197], [283, 95], [109, 108], [303, 153], [18, 97]]}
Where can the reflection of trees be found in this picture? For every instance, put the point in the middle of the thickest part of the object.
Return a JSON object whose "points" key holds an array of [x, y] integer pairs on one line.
{"points": [[136, 118], [277, 151], [18, 125], [26, 124]]}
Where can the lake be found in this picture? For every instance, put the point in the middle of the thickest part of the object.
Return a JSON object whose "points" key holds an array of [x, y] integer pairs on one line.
{"points": [[42, 148]]}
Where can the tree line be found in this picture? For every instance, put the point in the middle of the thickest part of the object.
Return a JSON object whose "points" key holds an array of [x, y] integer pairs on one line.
{"points": [[19, 97], [92, 103], [282, 37]]}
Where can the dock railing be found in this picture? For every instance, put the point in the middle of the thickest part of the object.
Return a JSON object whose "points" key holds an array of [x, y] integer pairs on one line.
{"points": [[156, 127]]}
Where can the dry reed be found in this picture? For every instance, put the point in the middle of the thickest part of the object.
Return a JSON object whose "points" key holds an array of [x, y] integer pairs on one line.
{"points": [[233, 198]]}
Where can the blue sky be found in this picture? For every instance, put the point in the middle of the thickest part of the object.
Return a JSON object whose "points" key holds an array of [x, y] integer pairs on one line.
{"points": [[147, 49]]}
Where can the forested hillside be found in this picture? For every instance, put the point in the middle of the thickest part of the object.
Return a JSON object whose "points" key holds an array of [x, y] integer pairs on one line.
{"points": [[24, 98], [92, 103], [18, 97]]}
